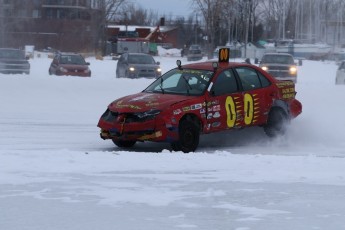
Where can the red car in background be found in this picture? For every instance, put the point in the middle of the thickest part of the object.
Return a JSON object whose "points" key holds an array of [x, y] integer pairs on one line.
{"points": [[198, 99], [69, 64]]}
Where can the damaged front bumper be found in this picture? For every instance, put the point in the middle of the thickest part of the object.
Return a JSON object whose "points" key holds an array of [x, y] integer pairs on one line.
{"points": [[156, 129]]}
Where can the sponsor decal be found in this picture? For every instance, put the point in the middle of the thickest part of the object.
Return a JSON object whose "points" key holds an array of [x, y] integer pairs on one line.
{"points": [[216, 124], [216, 102], [209, 116], [152, 104], [196, 106], [216, 108], [216, 115], [120, 105], [185, 109], [202, 111], [177, 111]]}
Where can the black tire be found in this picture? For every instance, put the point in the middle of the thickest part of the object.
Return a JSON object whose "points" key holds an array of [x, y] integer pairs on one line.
{"points": [[276, 123], [189, 134], [124, 144]]}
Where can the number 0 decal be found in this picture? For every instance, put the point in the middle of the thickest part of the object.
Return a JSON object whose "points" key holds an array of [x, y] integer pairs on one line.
{"points": [[231, 114], [248, 109], [230, 111]]}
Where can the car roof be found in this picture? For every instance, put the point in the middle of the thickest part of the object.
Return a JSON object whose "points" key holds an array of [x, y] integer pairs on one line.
{"points": [[208, 65]]}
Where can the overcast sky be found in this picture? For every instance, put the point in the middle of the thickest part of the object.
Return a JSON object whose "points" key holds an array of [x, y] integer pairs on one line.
{"points": [[168, 7]]}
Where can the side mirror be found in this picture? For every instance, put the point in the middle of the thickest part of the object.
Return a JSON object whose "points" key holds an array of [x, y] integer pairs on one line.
{"points": [[87, 63], [158, 63], [256, 61]]}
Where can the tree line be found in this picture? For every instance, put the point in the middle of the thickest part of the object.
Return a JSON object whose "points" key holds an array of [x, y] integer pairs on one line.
{"points": [[219, 21]]}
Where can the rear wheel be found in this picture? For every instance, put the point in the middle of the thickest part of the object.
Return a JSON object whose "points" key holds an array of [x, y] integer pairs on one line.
{"points": [[189, 133], [276, 123], [124, 144]]}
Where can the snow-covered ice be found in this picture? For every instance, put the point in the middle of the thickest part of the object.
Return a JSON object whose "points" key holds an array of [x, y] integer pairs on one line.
{"points": [[56, 173]]}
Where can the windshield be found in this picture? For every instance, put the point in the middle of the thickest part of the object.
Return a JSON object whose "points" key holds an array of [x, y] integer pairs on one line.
{"points": [[279, 59], [140, 59], [72, 59], [185, 82], [12, 54]]}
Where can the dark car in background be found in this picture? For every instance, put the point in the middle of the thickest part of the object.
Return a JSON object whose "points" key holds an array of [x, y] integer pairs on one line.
{"points": [[137, 65], [280, 65], [69, 64], [194, 53], [13, 61]]}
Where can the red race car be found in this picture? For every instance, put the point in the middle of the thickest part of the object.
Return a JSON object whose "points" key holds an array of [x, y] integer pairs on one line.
{"points": [[198, 99]]}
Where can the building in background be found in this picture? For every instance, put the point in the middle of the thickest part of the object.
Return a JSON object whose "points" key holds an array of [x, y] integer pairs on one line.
{"points": [[65, 25]]}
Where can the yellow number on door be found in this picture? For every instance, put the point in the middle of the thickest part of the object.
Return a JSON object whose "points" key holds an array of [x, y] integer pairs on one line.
{"points": [[248, 109], [230, 112]]}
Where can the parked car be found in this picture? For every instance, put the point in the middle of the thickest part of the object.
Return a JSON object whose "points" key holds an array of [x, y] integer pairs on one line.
{"points": [[201, 98], [280, 65], [70, 64], [137, 65], [194, 53], [340, 76], [13, 61]]}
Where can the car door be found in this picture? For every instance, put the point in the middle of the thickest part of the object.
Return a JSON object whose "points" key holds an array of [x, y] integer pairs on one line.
{"points": [[224, 108], [257, 95]]}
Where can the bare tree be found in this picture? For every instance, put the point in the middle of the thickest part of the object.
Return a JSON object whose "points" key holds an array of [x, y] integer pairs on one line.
{"points": [[108, 10]]}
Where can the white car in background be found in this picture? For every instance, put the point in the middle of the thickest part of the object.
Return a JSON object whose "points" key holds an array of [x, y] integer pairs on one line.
{"points": [[340, 76]]}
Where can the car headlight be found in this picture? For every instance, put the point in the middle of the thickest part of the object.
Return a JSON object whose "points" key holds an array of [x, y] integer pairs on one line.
{"points": [[87, 70], [132, 69], [62, 69], [150, 114], [159, 70], [292, 70], [264, 68]]}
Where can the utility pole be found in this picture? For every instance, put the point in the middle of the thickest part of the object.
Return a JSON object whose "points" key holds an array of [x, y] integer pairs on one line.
{"points": [[247, 27]]}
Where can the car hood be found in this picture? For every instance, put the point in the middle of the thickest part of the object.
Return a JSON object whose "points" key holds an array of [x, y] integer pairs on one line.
{"points": [[142, 102]]}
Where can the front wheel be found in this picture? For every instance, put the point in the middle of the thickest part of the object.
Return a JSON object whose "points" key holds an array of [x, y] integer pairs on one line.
{"points": [[276, 123], [189, 134], [124, 144]]}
